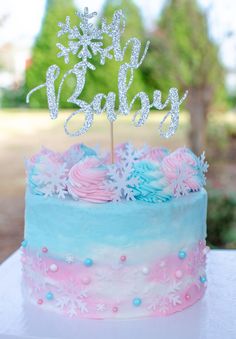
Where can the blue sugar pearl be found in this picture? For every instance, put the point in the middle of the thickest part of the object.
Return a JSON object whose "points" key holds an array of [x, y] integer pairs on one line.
{"points": [[137, 301], [24, 243], [203, 279], [49, 296], [88, 262], [182, 254]]}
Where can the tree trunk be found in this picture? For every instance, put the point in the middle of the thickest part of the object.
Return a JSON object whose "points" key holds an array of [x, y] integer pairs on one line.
{"points": [[198, 103]]}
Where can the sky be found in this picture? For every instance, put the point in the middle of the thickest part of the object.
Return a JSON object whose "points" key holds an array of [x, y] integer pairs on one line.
{"points": [[23, 19]]}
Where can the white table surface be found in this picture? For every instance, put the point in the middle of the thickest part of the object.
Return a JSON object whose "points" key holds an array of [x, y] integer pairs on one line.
{"points": [[214, 317]]}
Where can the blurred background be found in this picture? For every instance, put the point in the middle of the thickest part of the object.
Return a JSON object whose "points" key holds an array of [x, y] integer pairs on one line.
{"points": [[193, 46]]}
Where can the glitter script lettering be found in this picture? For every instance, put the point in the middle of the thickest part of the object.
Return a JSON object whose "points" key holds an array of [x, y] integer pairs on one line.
{"points": [[85, 41]]}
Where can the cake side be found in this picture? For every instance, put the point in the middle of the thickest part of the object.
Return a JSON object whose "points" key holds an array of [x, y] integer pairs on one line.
{"points": [[122, 260], [67, 226]]}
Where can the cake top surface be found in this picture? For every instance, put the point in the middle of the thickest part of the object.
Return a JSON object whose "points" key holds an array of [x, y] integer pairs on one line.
{"points": [[147, 174]]}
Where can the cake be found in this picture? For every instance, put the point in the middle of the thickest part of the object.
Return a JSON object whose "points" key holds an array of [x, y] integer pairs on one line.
{"points": [[118, 235], [115, 241]]}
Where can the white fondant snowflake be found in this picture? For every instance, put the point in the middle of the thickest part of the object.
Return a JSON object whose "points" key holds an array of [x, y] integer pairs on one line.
{"points": [[37, 264], [202, 166], [62, 302], [82, 306], [85, 40], [174, 299], [35, 270], [173, 296], [83, 293], [72, 306], [163, 306], [153, 306], [129, 155], [51, 177], [71, 299], [159, 304], [121, 182], [101, 307], [179, 185]]}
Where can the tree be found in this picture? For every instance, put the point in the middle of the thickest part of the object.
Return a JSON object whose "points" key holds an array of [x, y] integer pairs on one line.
{"points": [[183, 55], [45, 52]]}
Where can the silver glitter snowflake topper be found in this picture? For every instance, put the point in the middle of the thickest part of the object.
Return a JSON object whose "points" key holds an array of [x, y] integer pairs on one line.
{"points": [[86, 41]]}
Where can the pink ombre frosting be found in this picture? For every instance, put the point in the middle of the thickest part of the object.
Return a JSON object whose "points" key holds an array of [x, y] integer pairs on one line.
{"points": [[107, 291], [87, 180]]}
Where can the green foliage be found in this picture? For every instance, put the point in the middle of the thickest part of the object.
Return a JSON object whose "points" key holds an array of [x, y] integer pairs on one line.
{"points": [[45, 51], [231, 100], [12, 98], [221, 221], [182, 53]]}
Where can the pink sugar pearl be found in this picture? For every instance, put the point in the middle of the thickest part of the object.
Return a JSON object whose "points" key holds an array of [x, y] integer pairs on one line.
{"points": [[86, 280], [115, 309], [123, 258], [40, 301], [187, 297], [44, 249]]}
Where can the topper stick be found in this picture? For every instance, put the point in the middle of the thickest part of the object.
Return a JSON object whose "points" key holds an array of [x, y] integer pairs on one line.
{"points": [[112, 141]]}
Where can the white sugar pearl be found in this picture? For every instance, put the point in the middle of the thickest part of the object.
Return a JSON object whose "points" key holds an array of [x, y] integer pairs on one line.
{"points": [[53, 268], [145, 270]]}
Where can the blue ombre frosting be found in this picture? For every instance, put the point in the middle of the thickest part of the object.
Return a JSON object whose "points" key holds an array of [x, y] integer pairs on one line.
{"points": [[78, 227]]}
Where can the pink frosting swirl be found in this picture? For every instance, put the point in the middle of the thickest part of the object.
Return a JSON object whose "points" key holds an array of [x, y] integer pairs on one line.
{"points": [[44, 153], [87, 181], [156, 154], [180, 170]]}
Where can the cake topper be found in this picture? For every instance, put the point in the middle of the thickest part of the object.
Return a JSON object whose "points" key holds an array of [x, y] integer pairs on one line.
{"points": [[86, 41]]}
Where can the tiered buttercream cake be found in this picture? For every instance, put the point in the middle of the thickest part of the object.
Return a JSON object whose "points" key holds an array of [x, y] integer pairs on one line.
{"points": [[115, 241]]}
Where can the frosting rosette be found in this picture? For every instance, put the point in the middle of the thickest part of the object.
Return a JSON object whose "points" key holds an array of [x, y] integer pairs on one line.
{"points": [[181, 171], [47, 173], [76, 153], [87, 181], [42, 154]]}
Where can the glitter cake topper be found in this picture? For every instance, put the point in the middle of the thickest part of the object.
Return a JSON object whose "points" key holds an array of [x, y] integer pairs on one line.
{"points": [[86, 41]]}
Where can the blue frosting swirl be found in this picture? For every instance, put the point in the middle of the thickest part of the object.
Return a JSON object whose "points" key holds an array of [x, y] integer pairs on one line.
{"points": [[152, 186]]}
